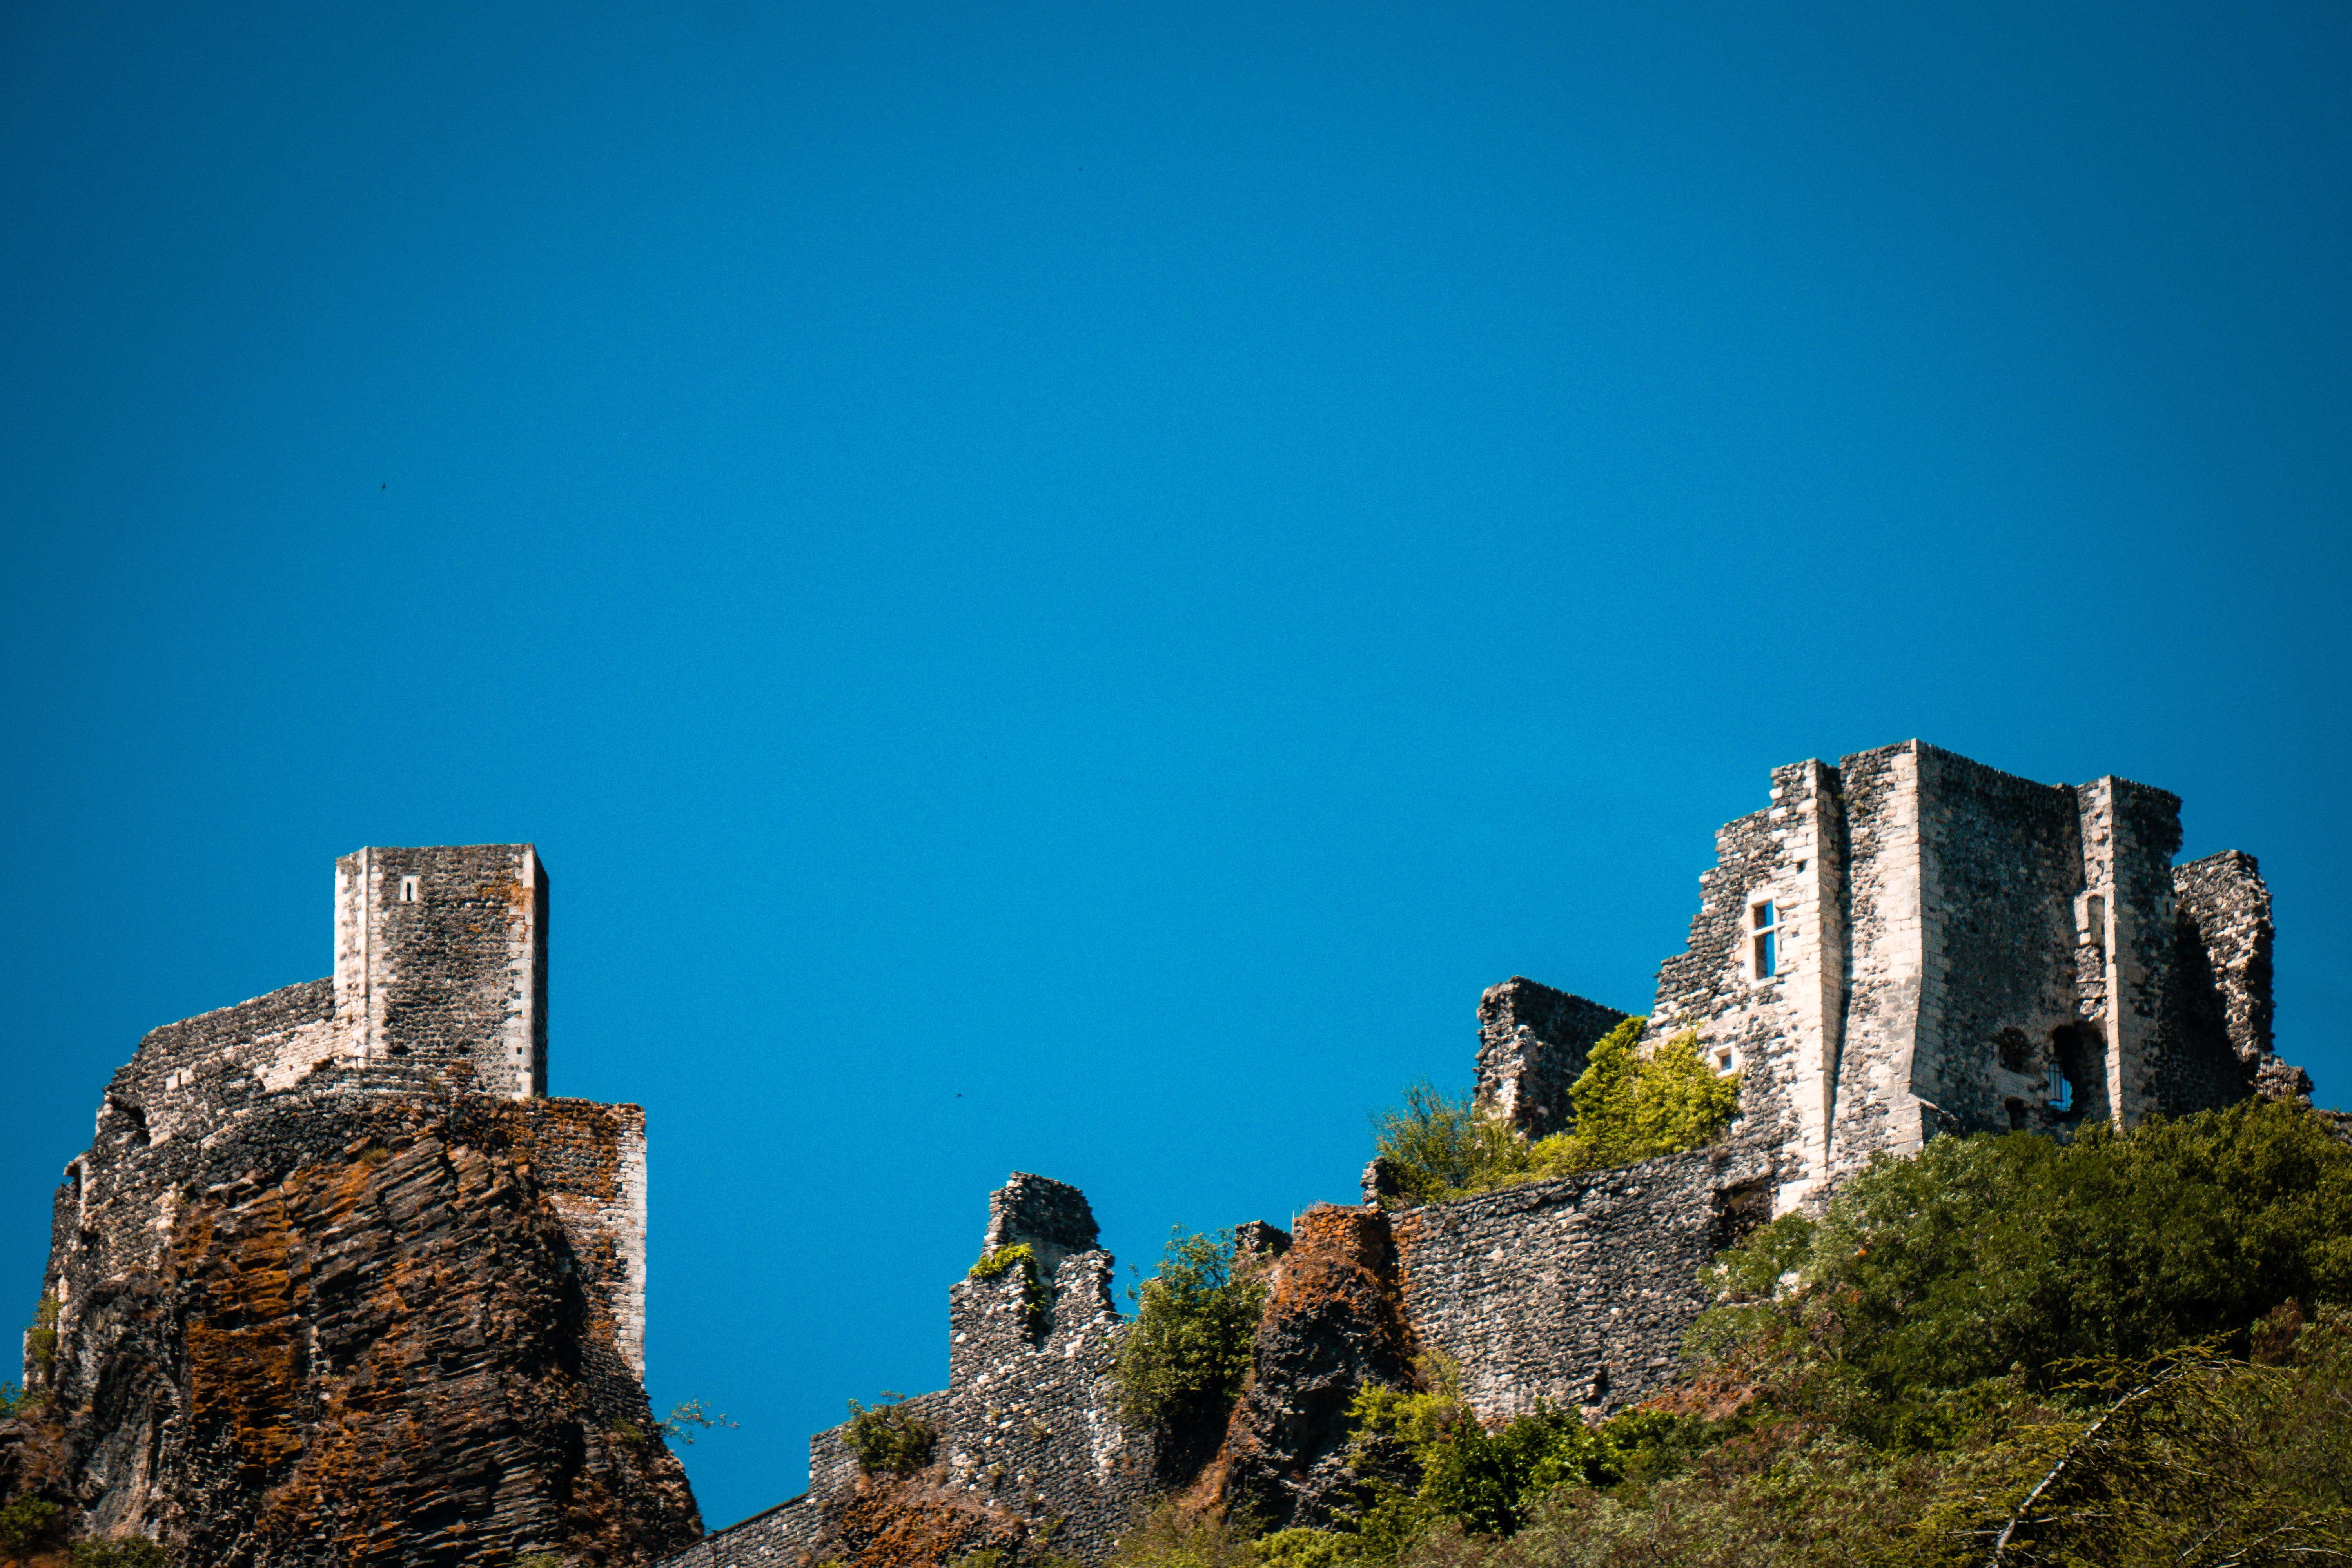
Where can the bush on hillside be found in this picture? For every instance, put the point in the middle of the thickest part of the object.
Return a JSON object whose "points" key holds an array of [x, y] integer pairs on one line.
{"points": [[25, 1522], [1990, 1256]]}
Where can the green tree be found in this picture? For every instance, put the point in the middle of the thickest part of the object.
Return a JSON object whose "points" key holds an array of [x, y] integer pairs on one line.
{"points": [[1181, 1361]]}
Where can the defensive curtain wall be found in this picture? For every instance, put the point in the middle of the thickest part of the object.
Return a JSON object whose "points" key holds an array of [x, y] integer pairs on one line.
{"points": [[309, 1219], [1905, 944]]}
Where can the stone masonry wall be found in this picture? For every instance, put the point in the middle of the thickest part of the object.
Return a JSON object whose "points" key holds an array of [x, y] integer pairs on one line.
{"points": [[1875, 1107], [1577, 1291], [2223, 900], [1533, 1045], [1781, 1030], [1032, 1424], [2223, 943], [2002, 866], [441, 956]]}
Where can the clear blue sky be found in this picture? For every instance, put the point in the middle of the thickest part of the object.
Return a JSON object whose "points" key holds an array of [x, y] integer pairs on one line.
{"points": [[1060, 587]]}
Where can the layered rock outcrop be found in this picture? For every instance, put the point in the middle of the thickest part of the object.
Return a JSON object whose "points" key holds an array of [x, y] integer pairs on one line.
{"points": [[337, 1283], [389, 1356]]}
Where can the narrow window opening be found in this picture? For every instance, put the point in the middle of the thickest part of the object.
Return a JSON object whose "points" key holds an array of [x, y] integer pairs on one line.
{"points": [[1765, 942], [1723, 1061], [2016, 1114], [408, 890], [2094, 921], [2061, 1089], [1801, 865]]}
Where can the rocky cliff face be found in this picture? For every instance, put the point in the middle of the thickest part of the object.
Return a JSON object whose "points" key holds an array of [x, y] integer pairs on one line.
{"points": [[382, 1357], [1333, 1322]]}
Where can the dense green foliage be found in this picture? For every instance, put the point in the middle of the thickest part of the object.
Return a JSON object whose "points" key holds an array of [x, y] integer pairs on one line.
{"points": [[1988, 1255], [888, 1438], [24, 1521], [1629, 1107], [1181, 1361], [2191, 1459], [1488, 1481], [126, 1551], [2006, 1351], [1170, 1536]]}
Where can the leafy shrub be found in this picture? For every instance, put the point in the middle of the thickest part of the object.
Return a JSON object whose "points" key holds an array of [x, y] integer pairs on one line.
{"points": [[1629, 1107], [17, 1401], [1470, 1477], [888, 1438], [25, 1522], [1182, 1361], [122, 1551], [539, 1559], [1995, 1255]]}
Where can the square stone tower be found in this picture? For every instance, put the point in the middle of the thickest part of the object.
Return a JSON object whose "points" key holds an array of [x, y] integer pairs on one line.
{"points": [[1911, 942], [441, 958]]}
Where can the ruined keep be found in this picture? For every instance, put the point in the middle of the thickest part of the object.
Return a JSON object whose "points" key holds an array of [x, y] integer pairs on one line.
{"points": [[336, 1282], [1904, 946]]}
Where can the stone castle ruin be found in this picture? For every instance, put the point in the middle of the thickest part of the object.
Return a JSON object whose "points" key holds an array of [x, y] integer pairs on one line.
{"points": [[1906, 945], [337, 1281]]}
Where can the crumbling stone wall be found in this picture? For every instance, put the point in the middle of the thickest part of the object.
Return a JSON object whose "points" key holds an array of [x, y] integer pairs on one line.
{"points": [[1032, 1424], [2223, 955], [1576, 1291], [1533, 1045]]}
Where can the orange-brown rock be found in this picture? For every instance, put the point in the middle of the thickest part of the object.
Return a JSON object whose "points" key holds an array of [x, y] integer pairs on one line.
{"points": [[388, 1359], [1333, 1322]]}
